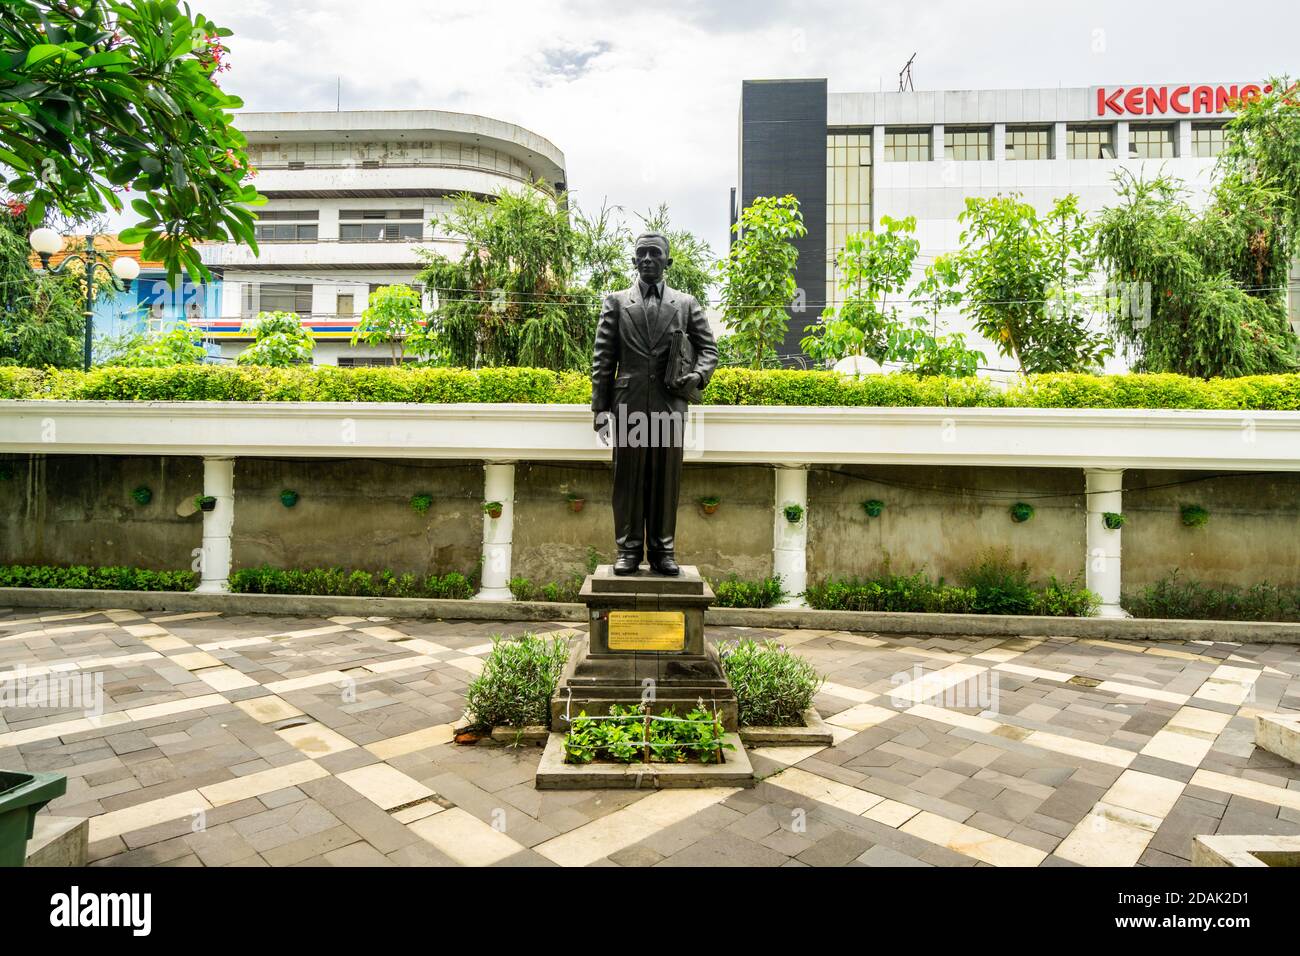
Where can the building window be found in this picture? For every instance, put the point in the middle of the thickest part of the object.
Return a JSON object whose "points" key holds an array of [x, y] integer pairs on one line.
{"points": [[1150, 142], [287, 225], [1090, 142], [374, 225], [960, 145], [1029, 142], [907, 146], [276, 297], [1207, 139], [848, 195]]}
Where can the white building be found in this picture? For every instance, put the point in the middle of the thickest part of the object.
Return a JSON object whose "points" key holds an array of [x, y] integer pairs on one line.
{"points": [[350, 196], [851, 158]]}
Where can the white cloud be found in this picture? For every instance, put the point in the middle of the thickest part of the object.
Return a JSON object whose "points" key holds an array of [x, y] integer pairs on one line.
{"points": [[643, 100]]}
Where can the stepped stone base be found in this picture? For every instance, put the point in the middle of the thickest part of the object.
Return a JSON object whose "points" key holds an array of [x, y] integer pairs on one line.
{"points": [[1279, 734], [1267, 849], [58, 841]]}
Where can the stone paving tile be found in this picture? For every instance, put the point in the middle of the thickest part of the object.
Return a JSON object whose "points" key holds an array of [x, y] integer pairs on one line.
{"points": [[247, 740]]}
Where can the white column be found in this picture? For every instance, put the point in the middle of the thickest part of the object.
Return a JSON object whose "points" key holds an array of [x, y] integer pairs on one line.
{"points": [[1060, 141], [1103, 491], [936, 143], [877, 153], [999, 144], [789, 540], [219, 482], [498, 533]]}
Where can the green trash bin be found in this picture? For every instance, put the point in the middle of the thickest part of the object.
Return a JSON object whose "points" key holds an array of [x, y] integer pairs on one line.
{"points": [[21, 796]]}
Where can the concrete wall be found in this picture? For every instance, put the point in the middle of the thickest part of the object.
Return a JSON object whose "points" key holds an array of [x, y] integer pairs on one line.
{"points": [[78, 509], [355, 513], [551, 542], [942, 520], [1253, 534]]}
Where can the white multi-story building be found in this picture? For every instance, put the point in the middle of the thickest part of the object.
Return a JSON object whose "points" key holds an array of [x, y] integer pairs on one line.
{"points": [[350, 198], [851, 158]]}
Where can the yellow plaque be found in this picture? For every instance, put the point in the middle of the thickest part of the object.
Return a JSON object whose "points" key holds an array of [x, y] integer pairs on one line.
{"points": [[647, 630]]}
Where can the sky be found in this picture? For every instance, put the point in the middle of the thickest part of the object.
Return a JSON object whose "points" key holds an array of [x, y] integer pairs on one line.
{"points": [[643, 99]]}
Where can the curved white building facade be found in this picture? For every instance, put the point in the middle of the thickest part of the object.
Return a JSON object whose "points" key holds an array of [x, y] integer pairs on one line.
{"points": [[350, 198]]}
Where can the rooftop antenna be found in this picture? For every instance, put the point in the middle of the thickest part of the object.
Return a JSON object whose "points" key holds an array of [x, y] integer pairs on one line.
{"points": [[905, 76], [338, 95]]}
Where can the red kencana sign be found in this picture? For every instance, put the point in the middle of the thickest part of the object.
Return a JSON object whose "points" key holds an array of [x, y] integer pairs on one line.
{"points": [[1148, 100]]}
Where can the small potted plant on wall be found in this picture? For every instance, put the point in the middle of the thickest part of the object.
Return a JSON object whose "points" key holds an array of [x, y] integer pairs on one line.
{"points": [[492, 509], [142, 495], [1194, 516], [421, 503], [576, 501], [288, 498], [1021, 512], [205, 502], [710, 503], [873, 508], [1113, 520], [793, 513]]}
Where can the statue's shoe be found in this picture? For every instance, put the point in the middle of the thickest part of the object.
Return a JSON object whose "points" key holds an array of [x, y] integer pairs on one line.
{"points": [[627, 563], [666, 565]]}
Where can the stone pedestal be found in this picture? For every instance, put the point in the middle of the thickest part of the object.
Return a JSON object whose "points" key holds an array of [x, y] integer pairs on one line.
{"points": [[646, 643]]}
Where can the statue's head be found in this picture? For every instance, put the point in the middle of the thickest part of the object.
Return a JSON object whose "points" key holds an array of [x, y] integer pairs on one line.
{"points": [[651, 256]]}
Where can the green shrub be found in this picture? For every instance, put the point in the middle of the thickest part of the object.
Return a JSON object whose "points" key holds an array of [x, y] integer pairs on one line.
{"points": [[96, 579], [1001, 587], [734, 592], [523, 589], [1065, 599], [336, 581], [729, 386], [517, 681], [773, 686], [1171, 597]]}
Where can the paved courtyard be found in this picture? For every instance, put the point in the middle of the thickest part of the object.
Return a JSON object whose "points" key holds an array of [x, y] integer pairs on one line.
{"points": [[259, 740]]}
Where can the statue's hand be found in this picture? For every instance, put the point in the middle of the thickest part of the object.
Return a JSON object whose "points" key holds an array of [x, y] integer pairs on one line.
{"points": [[688, 379]]}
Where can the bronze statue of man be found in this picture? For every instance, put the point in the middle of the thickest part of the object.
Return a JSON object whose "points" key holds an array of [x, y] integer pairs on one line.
{"points": [[653, 355]]}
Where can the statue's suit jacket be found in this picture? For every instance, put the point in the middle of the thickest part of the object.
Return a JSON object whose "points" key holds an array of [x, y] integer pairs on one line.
{"points": [[631, 354]]}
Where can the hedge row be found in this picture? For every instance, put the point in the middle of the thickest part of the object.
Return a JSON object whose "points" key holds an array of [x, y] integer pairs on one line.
{"points": [[730, 386], [337, 581], [995, 586], [96, 579], [1193, 600]]}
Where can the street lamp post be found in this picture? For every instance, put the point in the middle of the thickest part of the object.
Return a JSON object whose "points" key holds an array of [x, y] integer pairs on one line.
{"points": [[46, 242]]}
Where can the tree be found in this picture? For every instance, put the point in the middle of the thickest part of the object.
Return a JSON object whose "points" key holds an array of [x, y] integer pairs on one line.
{"points": [[876, 270], [1023, 278], [514, 297], [1204, 292], [110, 95], [757, 277], [42, 317], [279, 340], [394, 317], [180, 345], [602, 251], [693, 261]]}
